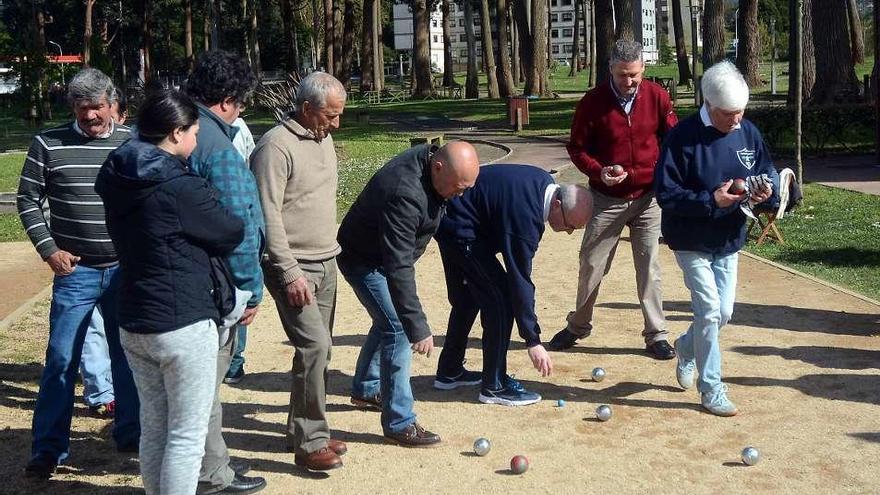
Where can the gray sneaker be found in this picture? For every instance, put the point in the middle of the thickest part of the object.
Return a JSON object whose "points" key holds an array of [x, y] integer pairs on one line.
{"points": [[685, 371], [718, 404]]}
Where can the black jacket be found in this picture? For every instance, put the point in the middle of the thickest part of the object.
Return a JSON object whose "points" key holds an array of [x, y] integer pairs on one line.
{"points": [[389, 227], [165, 223]]}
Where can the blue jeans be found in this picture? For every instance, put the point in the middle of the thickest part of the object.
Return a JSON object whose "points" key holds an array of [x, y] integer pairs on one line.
{"points": [[74, 297], [712, 282], [383, 364], [97, 375], [237, 362]]}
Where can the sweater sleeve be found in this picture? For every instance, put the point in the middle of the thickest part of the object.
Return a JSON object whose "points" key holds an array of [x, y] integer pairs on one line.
{"points": [[672, 194], [668, 118], [32, 192], [272, 169], [580, 140], [204, 222], [398, 243], [518, 254]]}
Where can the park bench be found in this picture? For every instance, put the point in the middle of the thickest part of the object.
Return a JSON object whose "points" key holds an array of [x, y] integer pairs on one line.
{"points": [[428, 138]]}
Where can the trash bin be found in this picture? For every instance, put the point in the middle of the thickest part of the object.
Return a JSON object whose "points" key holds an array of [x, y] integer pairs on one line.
{"points": [[515, 103]]}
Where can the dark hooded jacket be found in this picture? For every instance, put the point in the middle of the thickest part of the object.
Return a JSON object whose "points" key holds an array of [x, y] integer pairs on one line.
{"points": [[165, 222]]}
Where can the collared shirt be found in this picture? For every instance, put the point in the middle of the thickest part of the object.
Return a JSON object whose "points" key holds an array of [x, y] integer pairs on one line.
{"points": [[82, 133], [707, 121], [549, 193], [626, 102]]}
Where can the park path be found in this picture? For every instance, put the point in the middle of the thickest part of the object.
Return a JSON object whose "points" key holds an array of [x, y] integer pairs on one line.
{"points": [[23, 275]]}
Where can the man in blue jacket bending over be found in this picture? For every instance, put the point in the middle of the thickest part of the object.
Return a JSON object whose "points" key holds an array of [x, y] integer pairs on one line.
{"points": [[503, 213]]}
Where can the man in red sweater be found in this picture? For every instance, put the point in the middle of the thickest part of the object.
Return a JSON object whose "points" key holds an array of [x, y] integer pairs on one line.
{"points": [[615, 141]]}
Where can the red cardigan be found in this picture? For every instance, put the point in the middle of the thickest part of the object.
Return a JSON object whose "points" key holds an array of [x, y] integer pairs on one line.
{"points": [[603, 135]]}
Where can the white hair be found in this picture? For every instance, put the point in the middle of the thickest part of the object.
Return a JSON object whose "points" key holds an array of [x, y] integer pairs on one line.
{"points": [[723, 87], [314, 89]]}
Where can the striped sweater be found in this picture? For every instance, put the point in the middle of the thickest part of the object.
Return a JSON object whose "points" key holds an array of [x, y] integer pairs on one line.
{"points": [[61, 166]]}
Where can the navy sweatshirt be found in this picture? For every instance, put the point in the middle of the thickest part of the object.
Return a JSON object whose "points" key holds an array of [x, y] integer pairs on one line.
{"points": [[504, 212], [695, 160]]}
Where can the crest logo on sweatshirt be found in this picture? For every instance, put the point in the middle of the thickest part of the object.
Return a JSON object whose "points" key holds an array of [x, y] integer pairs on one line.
{"points": [[746, 157]]}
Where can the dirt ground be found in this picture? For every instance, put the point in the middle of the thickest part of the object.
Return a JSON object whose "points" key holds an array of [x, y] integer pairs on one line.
{"points": [[801, 360]]}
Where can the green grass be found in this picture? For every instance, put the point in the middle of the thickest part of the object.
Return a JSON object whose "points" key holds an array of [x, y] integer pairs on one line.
{"points": [[835, 236], [10, 228], [10, 170]]}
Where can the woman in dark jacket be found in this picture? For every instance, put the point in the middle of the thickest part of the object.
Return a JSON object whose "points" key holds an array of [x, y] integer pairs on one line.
{"points": [[166, 224]]}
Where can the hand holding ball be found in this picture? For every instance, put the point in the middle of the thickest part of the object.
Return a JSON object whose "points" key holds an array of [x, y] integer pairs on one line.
{"points": [[738, 186], [616, 171]]}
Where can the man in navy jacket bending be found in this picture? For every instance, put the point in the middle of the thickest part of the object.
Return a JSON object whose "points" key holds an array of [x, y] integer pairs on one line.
{"points": [[503, 213]]}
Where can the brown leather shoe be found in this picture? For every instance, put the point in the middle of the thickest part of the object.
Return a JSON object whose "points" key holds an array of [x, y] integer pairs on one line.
{"points": [[323, 459], [414, 436], [367, 403], [337, 446]]}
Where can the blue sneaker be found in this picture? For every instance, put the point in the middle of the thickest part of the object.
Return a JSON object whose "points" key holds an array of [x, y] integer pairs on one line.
{"points": [[511, 394], [717, 402], [464, 379], [685, 371]]}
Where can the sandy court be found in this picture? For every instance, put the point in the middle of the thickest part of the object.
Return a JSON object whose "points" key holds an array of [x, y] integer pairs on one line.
{"points": [[24, 275], [801, 360]]}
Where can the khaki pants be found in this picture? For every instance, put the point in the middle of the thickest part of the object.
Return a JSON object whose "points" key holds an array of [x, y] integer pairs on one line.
{"points": [[309, 329], [216, 474], [610, 215]]}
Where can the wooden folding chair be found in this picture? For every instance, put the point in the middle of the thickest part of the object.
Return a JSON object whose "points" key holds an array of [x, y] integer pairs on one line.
{"points": [[766, 217]]}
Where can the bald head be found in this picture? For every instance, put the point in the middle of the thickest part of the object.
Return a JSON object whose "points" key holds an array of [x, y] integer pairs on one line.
{"points": [[571, 209], [454, 169]]}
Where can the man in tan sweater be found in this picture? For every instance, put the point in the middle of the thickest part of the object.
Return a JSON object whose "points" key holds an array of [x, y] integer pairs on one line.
{"points": [[295, 167]]}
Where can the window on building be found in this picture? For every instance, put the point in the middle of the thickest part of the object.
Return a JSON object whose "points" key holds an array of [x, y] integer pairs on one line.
{"points": [[479, 51], [434, 23], [567, 33], [554, 49], [554, 33], [567, 48], [462, 38], [435, 39], [461, 23], [554, 3], [478, 37], [554, 17], [463, 54], [567, 16], [476, 21], [566, 2]]}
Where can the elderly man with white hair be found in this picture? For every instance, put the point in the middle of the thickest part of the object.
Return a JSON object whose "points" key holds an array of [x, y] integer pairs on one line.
{"points": [[295, 167], [713, 167]]}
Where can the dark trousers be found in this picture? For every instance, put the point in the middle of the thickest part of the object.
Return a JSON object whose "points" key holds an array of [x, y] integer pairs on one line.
{"points": [[476, 282]]}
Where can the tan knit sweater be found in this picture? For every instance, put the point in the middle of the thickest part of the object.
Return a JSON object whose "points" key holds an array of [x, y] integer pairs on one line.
{"points": [[296, 177]]}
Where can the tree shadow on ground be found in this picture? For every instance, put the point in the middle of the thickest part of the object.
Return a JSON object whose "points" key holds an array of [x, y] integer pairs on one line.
{"points": [[838, 257], [867, 436], [824, 357], [617, 394], [846, 387], [782, 317]]}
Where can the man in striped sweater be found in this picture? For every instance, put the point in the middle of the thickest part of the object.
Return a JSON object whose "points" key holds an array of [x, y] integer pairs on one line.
{"points": [[61, 166]]}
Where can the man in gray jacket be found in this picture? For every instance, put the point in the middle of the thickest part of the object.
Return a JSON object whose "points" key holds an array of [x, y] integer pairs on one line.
{"points": [[295, 167]]}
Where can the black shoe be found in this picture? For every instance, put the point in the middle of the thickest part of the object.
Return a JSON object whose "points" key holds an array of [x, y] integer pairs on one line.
{"points": [[562, 340], [243, 485], [41, 466], [233, 378], [660, 350], [240, 466]]}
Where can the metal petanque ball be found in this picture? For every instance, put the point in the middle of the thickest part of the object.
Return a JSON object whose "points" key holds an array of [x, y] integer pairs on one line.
{"points": [[603, 412], [519, 464], [751, 456], [598, 374], [482, 446], [560, 403]]}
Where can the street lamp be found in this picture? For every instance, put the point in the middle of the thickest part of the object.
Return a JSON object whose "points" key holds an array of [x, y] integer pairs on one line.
{"points": [[62, 62]]}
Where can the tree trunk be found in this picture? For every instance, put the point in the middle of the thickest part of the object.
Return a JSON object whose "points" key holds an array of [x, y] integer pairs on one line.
{"points": [[533, 44], [808, 80], [713, 32], [623, 16], [216, 7], [576, 50], [367, 46], [488, 52], [378, 49], [749, 44], [421, 63], [347, 54], [604, 16], [448, 70], [471, 85], [338, 27], [516, 62], [246, 41], [328, 36], [836, 80], [856, 36], [254, 39], [289, 25], [188, 35], [206, 26], [541, 35], [147, 34], [87, 34], [505, 77], [681, 54], [591, 43]]}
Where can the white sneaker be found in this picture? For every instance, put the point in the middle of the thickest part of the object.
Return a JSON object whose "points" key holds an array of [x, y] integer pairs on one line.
{"points": [[718, 404], [685, 371]]}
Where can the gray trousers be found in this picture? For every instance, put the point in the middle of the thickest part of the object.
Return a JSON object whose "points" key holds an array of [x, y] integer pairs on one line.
{"points": [[610, 216], [309, 329], [174, 373], [216, 473]]}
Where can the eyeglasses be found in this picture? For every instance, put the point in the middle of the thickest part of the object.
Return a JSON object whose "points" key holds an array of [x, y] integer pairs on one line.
{"points": [[567, 227]]}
